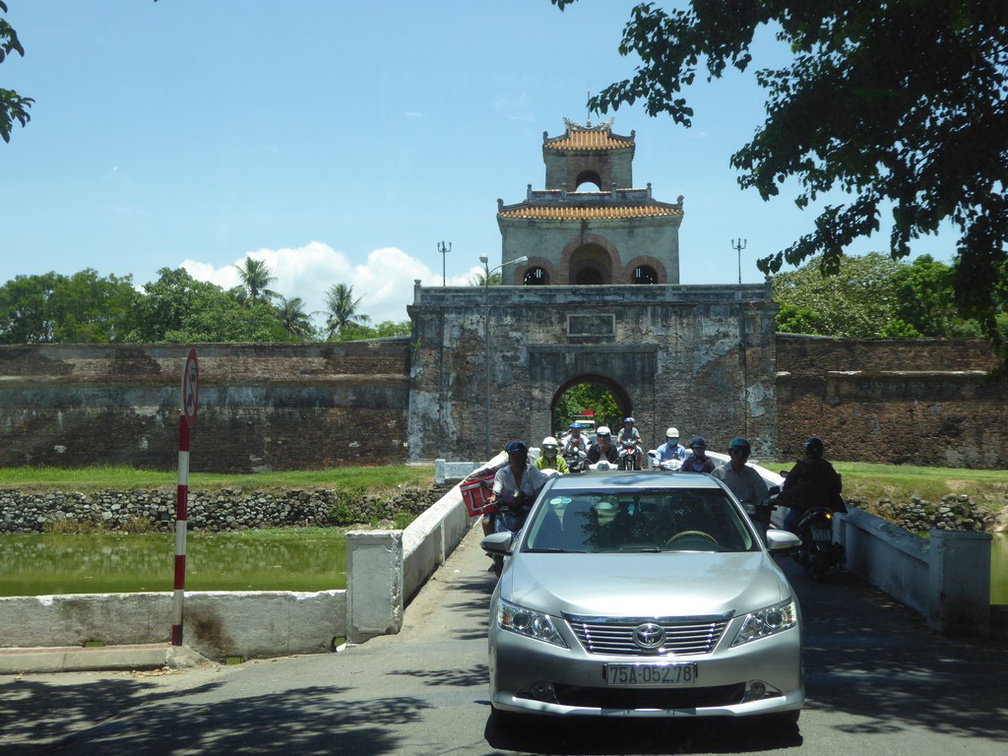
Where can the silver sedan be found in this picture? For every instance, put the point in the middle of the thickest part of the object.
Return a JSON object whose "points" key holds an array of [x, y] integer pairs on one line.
{"points": [[643, 594]]}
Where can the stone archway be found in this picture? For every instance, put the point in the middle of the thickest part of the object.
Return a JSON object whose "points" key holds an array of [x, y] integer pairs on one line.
{"points": [[623, 401]]}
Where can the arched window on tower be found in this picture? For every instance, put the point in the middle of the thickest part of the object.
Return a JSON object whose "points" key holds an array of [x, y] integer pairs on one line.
{"points": [[645, 274], [536, 277], [588, 181]]}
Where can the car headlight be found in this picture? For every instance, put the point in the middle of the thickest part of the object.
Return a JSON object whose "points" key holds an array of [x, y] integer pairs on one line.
{"points": [[529, 623], [769, 621]]}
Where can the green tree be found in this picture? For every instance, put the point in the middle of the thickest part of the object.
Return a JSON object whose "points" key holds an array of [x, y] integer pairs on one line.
{"points": [[295, 320], [176, 308], [88, 308], [585, 396], [26, 315], [479, 279], [13, 107], [53, 308], [342, 309], [857, 301], [899, 103], [925, 300], [256, 277], [384, 330]]}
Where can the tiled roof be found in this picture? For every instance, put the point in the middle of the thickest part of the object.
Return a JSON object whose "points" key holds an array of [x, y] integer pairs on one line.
{"points": [[563, 213], [578, 139]]}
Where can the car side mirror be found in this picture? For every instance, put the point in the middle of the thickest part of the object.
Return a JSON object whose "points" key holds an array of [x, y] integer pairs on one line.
{"points": [[781, 540], [497, 543]]}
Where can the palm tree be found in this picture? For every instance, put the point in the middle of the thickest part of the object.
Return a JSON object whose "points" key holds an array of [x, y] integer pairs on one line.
{"points": [[342, 308], [478, 279], [294, 318], [255, 277]]}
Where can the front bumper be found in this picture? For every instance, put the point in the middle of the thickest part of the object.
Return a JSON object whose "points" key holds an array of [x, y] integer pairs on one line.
{"points": [[763, 676]]}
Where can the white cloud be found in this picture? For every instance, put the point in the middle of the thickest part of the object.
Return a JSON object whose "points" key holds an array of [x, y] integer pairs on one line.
{"points": [[384, 283]]}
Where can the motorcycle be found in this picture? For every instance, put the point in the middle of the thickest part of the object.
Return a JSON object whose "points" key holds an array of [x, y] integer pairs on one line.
{"points": [[576, 459], [512, 510], [818, 552], [627, 455], [669, 465]]}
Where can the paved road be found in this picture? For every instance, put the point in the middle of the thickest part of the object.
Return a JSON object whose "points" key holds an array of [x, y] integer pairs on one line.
{"points": [[878, 683]]}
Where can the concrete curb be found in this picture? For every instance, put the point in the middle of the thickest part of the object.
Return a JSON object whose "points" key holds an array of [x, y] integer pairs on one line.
{"points": [[15, 661]]}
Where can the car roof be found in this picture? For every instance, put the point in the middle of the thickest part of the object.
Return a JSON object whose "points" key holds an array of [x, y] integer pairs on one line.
{"points": [[623, 480]]}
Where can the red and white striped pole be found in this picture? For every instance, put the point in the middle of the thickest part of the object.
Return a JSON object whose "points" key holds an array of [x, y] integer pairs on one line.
{"points": [[190, 402], [181, 516]]}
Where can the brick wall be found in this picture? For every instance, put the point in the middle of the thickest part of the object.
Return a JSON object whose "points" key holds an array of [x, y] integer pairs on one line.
{"points": [[923, 402], [261, 406]]}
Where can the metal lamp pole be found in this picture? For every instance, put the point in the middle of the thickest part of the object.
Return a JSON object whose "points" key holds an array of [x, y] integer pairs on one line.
{"points": [[738, 246], [444, 250], [486, 335]]}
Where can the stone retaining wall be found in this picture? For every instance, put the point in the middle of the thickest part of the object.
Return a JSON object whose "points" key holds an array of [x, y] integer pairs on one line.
{"points": [[213, 511]]}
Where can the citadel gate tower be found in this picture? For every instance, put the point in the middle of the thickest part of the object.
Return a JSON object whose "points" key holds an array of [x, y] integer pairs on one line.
{"points": [[597, 300]]}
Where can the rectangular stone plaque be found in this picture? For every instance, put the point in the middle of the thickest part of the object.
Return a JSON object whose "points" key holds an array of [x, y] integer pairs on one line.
{"points": [[594, 324]]}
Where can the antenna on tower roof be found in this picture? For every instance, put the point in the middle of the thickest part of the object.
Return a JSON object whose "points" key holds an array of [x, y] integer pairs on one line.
{"points": [[588, 108]]}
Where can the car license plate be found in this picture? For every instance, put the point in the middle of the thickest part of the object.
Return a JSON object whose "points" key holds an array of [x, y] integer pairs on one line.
{"points": [[822, 534], [658, 675]]}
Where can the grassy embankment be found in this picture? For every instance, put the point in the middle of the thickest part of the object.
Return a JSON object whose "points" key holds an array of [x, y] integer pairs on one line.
{"points": [[871, 483], [119, 478]]}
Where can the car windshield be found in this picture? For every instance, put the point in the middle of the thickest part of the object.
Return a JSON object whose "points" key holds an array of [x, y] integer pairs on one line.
{"points": [[646, 520]]}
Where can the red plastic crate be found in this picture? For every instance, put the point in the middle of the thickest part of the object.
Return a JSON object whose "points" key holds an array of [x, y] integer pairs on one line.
{"points": [[475, 495]]}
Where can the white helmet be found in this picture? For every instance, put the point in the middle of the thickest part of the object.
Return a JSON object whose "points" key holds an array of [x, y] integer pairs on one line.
{"points": [[550, 441], [672, 433], [603, 430]]}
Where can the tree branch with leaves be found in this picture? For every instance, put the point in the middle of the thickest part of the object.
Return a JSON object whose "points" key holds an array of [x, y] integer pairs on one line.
{"points": [[894, 103]]}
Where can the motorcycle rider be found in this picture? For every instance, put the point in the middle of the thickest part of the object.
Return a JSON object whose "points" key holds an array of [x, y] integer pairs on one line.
{"points": [[811, 482], [671, 449], [698, 461], [575, 441], [629, 437], [747, 484], [549, 458], [517, 478], [603, 448]]}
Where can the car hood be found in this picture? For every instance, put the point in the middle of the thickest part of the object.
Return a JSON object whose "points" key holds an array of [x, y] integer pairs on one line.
{"points": [[644, 585]]}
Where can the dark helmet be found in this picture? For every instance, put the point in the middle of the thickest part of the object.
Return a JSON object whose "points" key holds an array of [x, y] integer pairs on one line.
{"points": [[698, 441], [628, 420], [516, 447], [740, 443], [814, 446]]}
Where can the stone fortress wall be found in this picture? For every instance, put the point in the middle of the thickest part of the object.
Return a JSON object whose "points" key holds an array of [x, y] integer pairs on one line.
{"points": [[297, 406]]}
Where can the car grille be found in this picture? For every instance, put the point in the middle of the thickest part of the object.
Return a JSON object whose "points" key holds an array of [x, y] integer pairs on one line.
{"points": [[615, 635], [650, 698]]}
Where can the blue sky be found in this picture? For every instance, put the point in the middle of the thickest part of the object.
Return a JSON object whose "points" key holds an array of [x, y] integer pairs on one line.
{"points": [[342, 141]]}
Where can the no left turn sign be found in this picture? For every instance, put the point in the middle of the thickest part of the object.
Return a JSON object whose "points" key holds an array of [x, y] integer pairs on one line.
{"points": [[190, 388]]}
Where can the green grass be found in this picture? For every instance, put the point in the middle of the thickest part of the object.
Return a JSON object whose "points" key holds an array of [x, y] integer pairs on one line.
{"points": [[873, 482], [118, 478], [870, 483]]}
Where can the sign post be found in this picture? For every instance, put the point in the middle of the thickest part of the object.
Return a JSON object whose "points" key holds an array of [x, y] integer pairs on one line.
{"points": [[190, 402]]}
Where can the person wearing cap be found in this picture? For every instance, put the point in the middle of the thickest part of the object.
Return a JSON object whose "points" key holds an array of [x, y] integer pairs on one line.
{"points": [[603, 448], [698, 461], [747, 484], [811, 481], [629, 436], [517, 478], [672, 449], [575, 441], [549, 459]]}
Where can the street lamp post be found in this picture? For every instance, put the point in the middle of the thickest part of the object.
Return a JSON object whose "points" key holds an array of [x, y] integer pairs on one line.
{"points": [[486, 335], [444, 250]]}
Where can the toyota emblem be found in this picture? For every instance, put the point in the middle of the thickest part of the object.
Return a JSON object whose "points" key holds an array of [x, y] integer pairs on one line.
{"points": [[649, 635]]}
